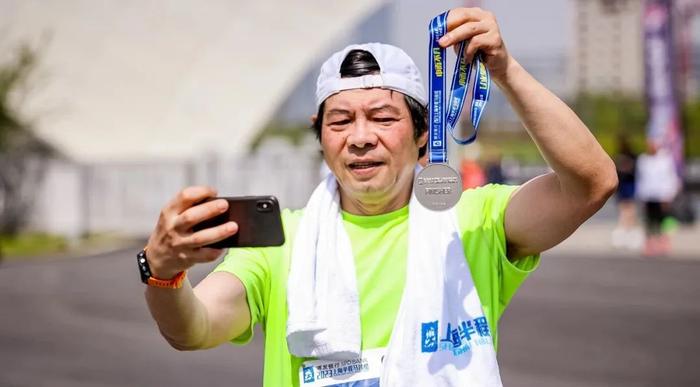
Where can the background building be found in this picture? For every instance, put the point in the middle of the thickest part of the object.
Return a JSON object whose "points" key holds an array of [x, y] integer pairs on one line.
{"points": [[607, 50]]}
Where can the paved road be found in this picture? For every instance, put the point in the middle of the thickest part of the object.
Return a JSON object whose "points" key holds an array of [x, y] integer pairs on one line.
{"points": [[576, 322]]}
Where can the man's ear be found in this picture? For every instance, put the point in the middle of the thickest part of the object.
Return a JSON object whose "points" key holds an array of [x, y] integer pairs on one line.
{"points": [[313, 119], [422, 140]]}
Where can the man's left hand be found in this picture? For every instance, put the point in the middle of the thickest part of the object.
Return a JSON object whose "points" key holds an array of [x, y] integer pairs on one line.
{"points": [[480, 29]]}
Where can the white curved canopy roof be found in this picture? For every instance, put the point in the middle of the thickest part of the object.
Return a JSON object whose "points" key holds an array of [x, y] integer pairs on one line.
{"points": [[134, 80]]}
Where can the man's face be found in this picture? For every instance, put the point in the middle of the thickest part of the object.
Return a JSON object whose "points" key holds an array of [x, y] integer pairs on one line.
{"points": [[368, 142]]}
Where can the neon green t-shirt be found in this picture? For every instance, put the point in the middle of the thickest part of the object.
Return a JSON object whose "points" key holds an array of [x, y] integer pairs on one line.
{"points": [[380, 245]]}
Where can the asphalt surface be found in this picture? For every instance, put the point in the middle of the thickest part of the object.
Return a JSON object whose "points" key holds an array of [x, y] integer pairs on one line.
{"points": [[576, 322]]}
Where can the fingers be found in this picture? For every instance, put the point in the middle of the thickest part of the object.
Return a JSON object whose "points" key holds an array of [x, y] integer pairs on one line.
{"points": [[199, 213], [173, 247], [480, 30], [208, 236], [464, 32], [460, 16], [189, 197], [485, 43], [465, 23]]}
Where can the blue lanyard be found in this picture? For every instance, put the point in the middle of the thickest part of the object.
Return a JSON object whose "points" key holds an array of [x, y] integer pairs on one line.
{"points": [[437, 85]]}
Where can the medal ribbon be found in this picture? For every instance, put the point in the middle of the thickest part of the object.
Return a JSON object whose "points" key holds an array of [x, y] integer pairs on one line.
{"points": [[437, 85]]}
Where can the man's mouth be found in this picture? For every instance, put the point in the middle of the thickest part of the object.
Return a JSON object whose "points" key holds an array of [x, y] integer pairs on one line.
{"points": [[360, 165]]}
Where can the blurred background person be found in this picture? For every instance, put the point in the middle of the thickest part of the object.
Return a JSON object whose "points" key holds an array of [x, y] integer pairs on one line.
{"points": [[494, 169], [472, 174], [657, 186], [627, 233]]}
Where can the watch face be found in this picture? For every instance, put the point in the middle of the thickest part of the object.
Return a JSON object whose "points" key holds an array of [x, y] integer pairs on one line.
{"points": [[144, 269]]}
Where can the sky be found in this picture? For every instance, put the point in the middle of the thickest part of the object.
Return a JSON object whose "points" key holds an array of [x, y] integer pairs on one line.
{"points": [[532, 26]]}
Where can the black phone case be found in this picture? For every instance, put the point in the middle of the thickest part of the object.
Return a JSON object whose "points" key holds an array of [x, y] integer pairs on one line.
{"points": [[258, 226]]}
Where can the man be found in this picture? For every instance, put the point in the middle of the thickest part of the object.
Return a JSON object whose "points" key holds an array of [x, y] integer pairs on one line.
{"points": [[372, 138], [657, 185]]}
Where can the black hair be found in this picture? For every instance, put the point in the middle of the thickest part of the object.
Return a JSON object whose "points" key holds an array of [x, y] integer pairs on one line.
{"points": [[360, 62]]}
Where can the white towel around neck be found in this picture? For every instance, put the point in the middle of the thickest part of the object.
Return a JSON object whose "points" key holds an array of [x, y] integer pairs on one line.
{"points": [[323, 303]]}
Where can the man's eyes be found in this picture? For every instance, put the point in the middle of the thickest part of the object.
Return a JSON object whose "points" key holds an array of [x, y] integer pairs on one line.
{"points": [[346, 121], [340, 122]]}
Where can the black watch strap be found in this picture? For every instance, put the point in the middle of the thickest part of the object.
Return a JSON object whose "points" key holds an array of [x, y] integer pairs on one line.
{"points": [[144, 268]]}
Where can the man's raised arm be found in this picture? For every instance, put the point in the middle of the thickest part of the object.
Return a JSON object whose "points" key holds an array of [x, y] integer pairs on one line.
{"points": [[549, 208]]}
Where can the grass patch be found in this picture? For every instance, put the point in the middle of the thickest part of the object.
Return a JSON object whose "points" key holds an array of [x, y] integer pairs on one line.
{"points": [[32, 244], [37, 245]]}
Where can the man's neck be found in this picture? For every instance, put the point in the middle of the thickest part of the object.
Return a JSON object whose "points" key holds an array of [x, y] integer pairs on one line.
{"points": [[374, 206]]}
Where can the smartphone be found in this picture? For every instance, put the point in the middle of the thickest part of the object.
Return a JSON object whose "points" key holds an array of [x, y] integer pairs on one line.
{"points": [[258, 218]]}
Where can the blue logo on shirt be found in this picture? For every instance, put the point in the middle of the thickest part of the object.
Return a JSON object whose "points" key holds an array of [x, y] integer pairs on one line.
{"points": [[309, 374], [429, 333], [458, 338]]}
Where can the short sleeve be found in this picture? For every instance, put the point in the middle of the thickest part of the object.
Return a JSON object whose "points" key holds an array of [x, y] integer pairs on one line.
{"points": [[481, 214], [250, 266], [513, 273]]}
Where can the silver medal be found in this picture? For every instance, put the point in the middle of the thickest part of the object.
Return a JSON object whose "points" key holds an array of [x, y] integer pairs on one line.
{"points": [[438, 187]]}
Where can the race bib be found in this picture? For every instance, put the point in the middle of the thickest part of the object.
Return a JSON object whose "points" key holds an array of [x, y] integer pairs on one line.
{"points": [[364, 371]]}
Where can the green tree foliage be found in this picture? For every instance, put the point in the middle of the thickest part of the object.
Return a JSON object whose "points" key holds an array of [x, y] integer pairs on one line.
{"points": [[13, 76], [609, 116], [22, 156], [691, 115]]}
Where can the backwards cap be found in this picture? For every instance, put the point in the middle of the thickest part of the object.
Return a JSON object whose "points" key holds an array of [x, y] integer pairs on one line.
{"points": [[396, 72]]}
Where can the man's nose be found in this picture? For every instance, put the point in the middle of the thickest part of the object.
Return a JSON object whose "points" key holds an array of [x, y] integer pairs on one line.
{"points": [[363, 134]]}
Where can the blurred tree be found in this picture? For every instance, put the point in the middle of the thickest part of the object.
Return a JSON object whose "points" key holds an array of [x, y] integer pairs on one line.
{"points": [[691, 120], [610, 115], [22, 155], [295, 134]]}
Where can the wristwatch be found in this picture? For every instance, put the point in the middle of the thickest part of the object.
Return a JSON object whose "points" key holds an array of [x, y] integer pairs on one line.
{"points": [[146, 278]]}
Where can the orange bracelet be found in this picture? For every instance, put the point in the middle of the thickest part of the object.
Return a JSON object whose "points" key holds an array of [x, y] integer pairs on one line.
{"points": [[148, 279], [174, 283]]}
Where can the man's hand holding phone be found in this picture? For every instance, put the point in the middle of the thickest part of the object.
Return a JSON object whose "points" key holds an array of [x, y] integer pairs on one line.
{"points": [[174, 246], [196, 226]]}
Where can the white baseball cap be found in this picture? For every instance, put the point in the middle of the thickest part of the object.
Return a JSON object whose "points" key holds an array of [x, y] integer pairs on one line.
{"points": [[396, 72]]}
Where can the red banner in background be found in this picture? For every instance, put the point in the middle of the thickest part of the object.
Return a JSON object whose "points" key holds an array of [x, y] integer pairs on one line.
{"points": [[664, 123]]}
